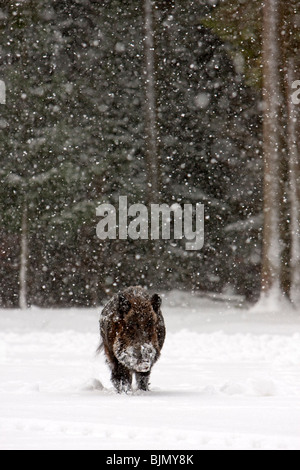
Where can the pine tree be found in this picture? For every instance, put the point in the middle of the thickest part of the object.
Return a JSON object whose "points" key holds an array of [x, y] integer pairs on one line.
{"points": [[209, 130], [272, 46]]}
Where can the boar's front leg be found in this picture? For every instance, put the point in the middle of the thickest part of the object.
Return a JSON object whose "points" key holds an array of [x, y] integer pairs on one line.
{"points": [[142, 380], [121, 378]]}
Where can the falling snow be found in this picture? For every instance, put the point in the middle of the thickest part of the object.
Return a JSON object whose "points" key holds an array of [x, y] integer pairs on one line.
{"points": [[169, 104]]}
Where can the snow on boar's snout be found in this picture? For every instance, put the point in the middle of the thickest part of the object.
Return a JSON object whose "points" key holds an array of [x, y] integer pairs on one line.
{"points": [[133, 333], [136, 358]]}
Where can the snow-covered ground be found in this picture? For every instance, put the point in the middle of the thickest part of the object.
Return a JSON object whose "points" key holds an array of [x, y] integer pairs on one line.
{"points": [[227, 379]]}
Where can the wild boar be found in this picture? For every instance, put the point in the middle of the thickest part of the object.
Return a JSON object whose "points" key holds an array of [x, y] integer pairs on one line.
{"points": [[133, 332]]}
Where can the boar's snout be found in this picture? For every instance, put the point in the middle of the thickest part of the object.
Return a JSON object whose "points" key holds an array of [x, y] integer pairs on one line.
{"points": [[145, 358], [138, 358]]}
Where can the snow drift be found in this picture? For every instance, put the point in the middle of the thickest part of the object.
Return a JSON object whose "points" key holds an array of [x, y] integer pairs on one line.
{"points": [[227, 379]]}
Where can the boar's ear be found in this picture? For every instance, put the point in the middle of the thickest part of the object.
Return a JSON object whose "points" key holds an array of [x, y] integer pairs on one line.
{"points": [[124, 305], [156, 302]]}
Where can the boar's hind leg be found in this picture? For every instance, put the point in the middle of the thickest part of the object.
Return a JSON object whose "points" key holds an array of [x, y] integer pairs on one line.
{"points": [[121, 378], [142, 379]]}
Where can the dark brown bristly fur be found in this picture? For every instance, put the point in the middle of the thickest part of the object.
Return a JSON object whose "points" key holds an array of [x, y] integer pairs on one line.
{"points": [[133, 333]]}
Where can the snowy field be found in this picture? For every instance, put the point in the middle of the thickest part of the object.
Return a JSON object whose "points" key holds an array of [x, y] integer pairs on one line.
{"points": [[227, 379]]}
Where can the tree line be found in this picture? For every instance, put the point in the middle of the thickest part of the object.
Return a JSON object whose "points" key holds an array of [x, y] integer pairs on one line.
{"points": [[154, 103]]}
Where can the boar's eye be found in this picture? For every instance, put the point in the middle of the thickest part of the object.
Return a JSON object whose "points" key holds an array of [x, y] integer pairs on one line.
{"points": [[124, 305]]}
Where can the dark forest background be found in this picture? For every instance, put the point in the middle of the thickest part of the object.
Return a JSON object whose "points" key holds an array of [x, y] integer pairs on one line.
{"points": [[72, 136]]}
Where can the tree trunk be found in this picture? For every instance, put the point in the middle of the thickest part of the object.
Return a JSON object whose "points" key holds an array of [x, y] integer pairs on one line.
{"points": [[272, 146], [23, 301], [293, 71], [277, 254], [151, 140], [285, 177], [294, 151]]}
